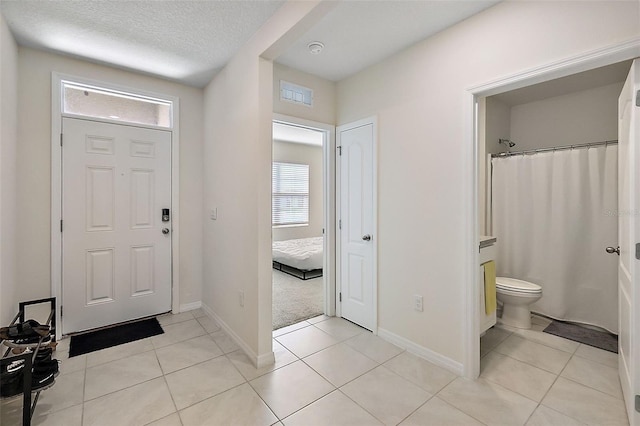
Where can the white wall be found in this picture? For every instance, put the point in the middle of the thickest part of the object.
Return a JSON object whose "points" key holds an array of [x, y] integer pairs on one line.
{"points": [[581, 117], [8, 155], [238, 111], [324, 95], [421, 99], [291, 152], [498, 125], [34, 168]]}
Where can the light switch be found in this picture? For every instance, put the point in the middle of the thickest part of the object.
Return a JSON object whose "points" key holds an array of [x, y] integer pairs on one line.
{"points": [[213, 214]]}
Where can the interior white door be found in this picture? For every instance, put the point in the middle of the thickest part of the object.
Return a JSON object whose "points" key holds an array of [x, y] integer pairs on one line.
{"points": [[357, 218], [116, 250], [629, 238]]}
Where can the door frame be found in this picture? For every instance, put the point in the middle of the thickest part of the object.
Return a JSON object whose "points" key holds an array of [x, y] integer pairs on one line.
{"points": [[56, 180], [611, 54], [373, 120], [328, 205]]}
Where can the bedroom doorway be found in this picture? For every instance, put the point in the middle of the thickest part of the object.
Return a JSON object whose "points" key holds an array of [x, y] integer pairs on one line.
{"points": [[302, 223]]}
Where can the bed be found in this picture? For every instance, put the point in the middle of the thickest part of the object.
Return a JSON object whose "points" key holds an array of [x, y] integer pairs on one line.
{"points": [[301, 258]]}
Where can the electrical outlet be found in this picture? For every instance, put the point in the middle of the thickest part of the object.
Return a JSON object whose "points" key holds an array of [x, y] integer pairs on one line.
{"points": [[417, 303], [241, 298]]}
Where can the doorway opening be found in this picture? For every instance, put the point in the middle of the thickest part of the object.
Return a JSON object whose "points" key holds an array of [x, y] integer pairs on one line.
{"points": [[302, 218]]}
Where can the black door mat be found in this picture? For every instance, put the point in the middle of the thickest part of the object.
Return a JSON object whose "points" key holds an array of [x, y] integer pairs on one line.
{"points": [[595, 338], [113, 336]]}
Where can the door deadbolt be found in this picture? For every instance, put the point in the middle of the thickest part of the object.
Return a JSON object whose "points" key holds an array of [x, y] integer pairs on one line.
{"points": [[165, 231]]}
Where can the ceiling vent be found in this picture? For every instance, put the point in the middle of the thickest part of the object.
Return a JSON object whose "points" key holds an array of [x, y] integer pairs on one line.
{"points": [[296, 94]]}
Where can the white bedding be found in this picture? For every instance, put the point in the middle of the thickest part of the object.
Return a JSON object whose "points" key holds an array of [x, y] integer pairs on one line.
{"points": [[304, 253]]}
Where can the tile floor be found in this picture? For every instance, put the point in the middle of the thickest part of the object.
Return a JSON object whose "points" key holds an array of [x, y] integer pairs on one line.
{"points": [[327, 372]]}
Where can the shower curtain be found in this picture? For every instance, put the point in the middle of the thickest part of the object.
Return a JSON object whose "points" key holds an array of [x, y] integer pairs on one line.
{"points": [[553, 214]]}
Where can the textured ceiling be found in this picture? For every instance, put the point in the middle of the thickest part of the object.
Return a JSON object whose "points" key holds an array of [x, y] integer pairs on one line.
{"points": [[357, 34], [188, 41]]}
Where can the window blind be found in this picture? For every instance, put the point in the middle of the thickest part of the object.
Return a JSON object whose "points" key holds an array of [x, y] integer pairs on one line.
{"points": [[290, 188]]}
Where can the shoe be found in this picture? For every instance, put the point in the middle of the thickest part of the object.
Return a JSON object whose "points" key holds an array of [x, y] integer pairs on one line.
{"points": [[44, 375], [30, 342], [25, 330], [11, 379], [43, 355]]}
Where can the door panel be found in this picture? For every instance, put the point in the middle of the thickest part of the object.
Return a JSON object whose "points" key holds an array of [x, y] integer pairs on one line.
{"points": [[116, 262], [628, 236], [357, 284]]}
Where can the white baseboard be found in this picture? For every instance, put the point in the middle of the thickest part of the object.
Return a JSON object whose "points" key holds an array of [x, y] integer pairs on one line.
{"points": [[190, 306], [258, 361], [431, 356]]}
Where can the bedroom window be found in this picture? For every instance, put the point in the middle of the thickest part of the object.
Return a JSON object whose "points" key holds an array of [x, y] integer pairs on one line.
{"points": [[290, 188]]}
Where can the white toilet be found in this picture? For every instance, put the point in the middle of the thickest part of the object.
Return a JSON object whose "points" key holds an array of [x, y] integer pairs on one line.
{"points": [[517, 296]]}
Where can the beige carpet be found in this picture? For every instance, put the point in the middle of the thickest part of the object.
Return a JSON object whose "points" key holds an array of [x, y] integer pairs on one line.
{"points": [[295, 300]]}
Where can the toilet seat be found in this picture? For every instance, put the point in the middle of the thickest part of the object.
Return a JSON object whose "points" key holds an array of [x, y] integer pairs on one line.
{"points": [[517, 286]]}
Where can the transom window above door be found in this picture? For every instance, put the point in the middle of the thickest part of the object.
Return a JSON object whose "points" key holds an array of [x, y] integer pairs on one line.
{"points": [[96, 102], [290, 188]]}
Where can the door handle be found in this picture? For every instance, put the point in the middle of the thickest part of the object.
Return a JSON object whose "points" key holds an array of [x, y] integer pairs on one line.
{"points": [[366, 237], [612, 250], [165, 231]]}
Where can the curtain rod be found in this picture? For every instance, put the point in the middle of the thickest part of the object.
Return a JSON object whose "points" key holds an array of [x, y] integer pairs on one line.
{"points": [[558, 148]]}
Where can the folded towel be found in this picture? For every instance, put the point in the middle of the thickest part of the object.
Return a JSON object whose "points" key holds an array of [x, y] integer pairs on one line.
{"points": [[490, 303]]}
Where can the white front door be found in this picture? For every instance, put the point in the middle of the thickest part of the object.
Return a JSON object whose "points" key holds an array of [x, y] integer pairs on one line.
{"points": [[116, 249], [357, 223], [629, 239]]}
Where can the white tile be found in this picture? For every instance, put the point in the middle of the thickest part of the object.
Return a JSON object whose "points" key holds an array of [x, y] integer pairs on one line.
{"points": [[306, 341], [492, 338], [202, 381], [145, 403], [290, 388], [585, 404], [550, 340], [66, 392], [71, 416], [540, 320], [545, 416], [334, 409], [70, 365], [374, 347], [187, 353], [420, 372], [595, 375], [120, 374], [242, 362], [170, 318], [517, 376], [536, 354], [488, 402], [225, 342], [62, 344], [290, 328], [237, 406], [437, 412], [340, 328], [607, 358], [340, 364], [115, 353], [178, 332], [197, 313], [387, 396], [208, 324], [170, 420]]}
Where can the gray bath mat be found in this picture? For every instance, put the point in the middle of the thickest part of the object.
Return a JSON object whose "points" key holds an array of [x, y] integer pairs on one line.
{"points": [[595, 338]]}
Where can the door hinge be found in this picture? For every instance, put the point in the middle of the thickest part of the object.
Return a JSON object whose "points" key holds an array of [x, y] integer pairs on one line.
{"points": [[638, 251], [340, 295], [638, 403], [61, 311], [340, 224], [638, 98], [60, 139], [60, 225], [339, 150]]}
